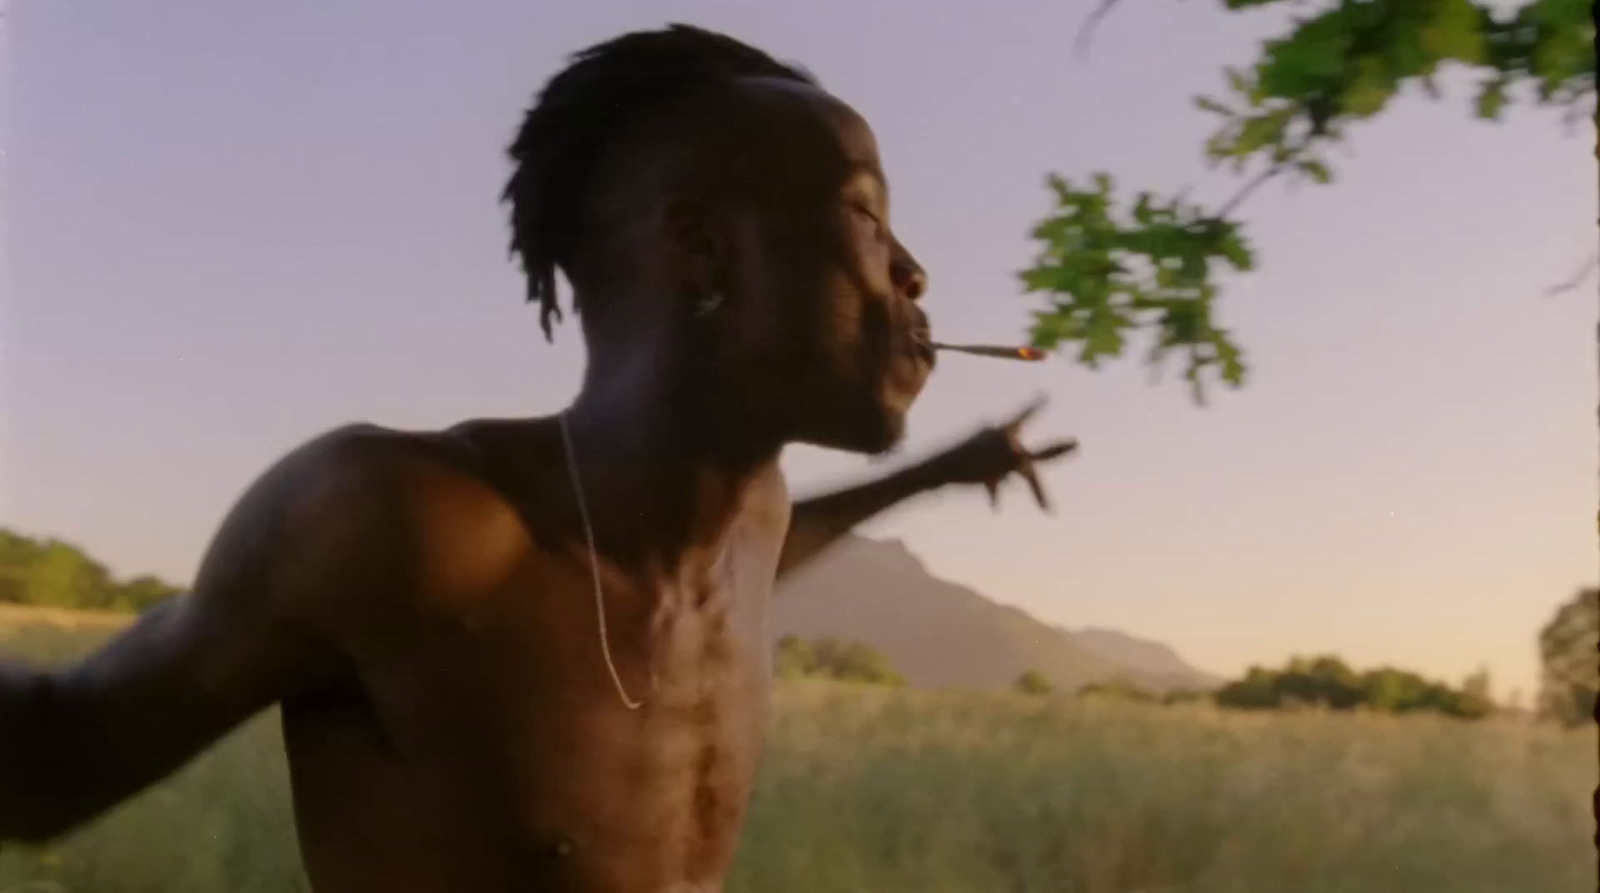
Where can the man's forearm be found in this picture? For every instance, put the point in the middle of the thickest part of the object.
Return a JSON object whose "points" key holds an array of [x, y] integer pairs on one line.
{"points": [[817, 523], [61, 763], [26, 795], [70, 748]]}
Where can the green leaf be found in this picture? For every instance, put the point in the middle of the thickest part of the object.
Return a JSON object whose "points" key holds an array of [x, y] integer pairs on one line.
{"points": [[1491, 98], [1045, 278], [1369, 91], [1142, 214], [1258, 132], [1315, 170], [1312, 59], [1218, 147], [1103, 340], [1238, 253], [1240, 82], [1455, 32], [1110, 269]]}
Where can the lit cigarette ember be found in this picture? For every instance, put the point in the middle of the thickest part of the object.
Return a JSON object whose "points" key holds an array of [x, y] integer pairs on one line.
{"points": [[1026, 354]]}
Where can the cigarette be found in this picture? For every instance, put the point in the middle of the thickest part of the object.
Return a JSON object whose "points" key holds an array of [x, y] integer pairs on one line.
{"points": [[1026, 354]]}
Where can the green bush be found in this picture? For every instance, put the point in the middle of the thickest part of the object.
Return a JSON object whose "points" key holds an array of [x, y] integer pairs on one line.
{"points": [[54, 574], [1033, 683], [1118, 689], [1569, 652], [1326, 681], [830, 658]]}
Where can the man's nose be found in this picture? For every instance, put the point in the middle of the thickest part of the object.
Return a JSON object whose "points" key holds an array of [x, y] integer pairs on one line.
{"points": [[908, 276]]}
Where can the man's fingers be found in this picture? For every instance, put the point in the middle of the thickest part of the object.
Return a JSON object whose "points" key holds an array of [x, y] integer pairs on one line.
{"points": [[1032, 477], [1060, 448], [1028, 413]]}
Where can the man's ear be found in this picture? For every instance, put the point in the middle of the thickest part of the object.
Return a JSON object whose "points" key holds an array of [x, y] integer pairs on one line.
{"points": [[697, 244]]}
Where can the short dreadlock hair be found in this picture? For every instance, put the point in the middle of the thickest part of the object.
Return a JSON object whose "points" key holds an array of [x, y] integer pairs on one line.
{"points": [[577, 115]]}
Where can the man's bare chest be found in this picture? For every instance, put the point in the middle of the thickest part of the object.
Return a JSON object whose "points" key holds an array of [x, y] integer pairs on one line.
{"points": [[503, 712], [545, 654]]}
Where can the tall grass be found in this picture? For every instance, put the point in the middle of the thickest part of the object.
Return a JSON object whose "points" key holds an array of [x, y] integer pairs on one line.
{"points": [[939, 792], [221, 825], [874, 790]]}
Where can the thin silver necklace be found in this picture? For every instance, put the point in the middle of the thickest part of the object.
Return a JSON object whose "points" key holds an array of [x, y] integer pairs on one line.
{"points": [[594, 564]]}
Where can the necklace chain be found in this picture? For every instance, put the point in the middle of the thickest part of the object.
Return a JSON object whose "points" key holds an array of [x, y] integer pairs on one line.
{"points": [[594, 564]]}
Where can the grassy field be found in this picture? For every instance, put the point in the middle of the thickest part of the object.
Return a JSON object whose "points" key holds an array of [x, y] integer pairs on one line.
{"points": [[883, 791]]}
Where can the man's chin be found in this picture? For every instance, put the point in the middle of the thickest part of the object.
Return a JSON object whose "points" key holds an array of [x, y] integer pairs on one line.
{"points": [[887, 437], [885, 431], [889, 418], [872, 433]]}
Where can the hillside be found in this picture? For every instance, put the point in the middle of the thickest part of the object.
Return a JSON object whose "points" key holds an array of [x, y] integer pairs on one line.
{"points": [[938, 633], [1151, 658]]}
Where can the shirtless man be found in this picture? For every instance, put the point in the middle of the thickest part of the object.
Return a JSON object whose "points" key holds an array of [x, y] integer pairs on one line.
{"points": [[532, 655]]}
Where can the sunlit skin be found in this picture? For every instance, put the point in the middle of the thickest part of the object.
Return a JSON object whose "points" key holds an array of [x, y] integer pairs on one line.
{"points": [[421, 605]]}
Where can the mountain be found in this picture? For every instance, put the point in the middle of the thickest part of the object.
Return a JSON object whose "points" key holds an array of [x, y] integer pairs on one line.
{"points": [[1143, 655], [938, 633]]}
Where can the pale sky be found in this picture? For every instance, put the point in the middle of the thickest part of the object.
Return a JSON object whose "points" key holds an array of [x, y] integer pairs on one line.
{"points": [[229, 227]]}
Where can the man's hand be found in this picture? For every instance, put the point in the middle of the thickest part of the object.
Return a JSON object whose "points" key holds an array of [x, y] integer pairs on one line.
{"points": [[986, 458], [996, 453]]}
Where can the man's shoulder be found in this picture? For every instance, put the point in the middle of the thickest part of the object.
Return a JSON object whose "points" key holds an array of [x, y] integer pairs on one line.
{"points": [[374, 460], [364, 447], [427, 497], [365, 522], [355, 469]]}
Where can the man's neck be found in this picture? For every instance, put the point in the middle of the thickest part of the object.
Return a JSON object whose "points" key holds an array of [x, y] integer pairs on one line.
{"points": [[666, 466]]}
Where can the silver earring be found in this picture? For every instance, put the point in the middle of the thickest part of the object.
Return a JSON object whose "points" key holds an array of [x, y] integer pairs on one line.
{"points": [[708, 305]]}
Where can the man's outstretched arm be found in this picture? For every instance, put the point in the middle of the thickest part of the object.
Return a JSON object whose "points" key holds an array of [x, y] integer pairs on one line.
{"points": [[76, 741], [987, 458]]}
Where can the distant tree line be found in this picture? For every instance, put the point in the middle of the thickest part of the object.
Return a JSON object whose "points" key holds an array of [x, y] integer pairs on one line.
{"points": [[50, 573], [831, 658], [1323, 681], [1326, 681], [1569, 693], [1034, 683], [1123, 690]]}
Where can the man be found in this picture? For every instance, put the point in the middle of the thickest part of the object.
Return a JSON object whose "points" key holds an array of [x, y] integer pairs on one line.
{"points": [[532, 654]]}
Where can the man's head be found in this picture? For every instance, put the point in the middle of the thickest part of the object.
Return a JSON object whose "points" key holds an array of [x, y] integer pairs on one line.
{"points": [[673, 171]]}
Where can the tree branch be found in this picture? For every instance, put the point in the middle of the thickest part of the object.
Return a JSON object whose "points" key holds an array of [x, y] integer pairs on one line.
{"points": [[1576, 279], [1080, 44], [1232, 204]]}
